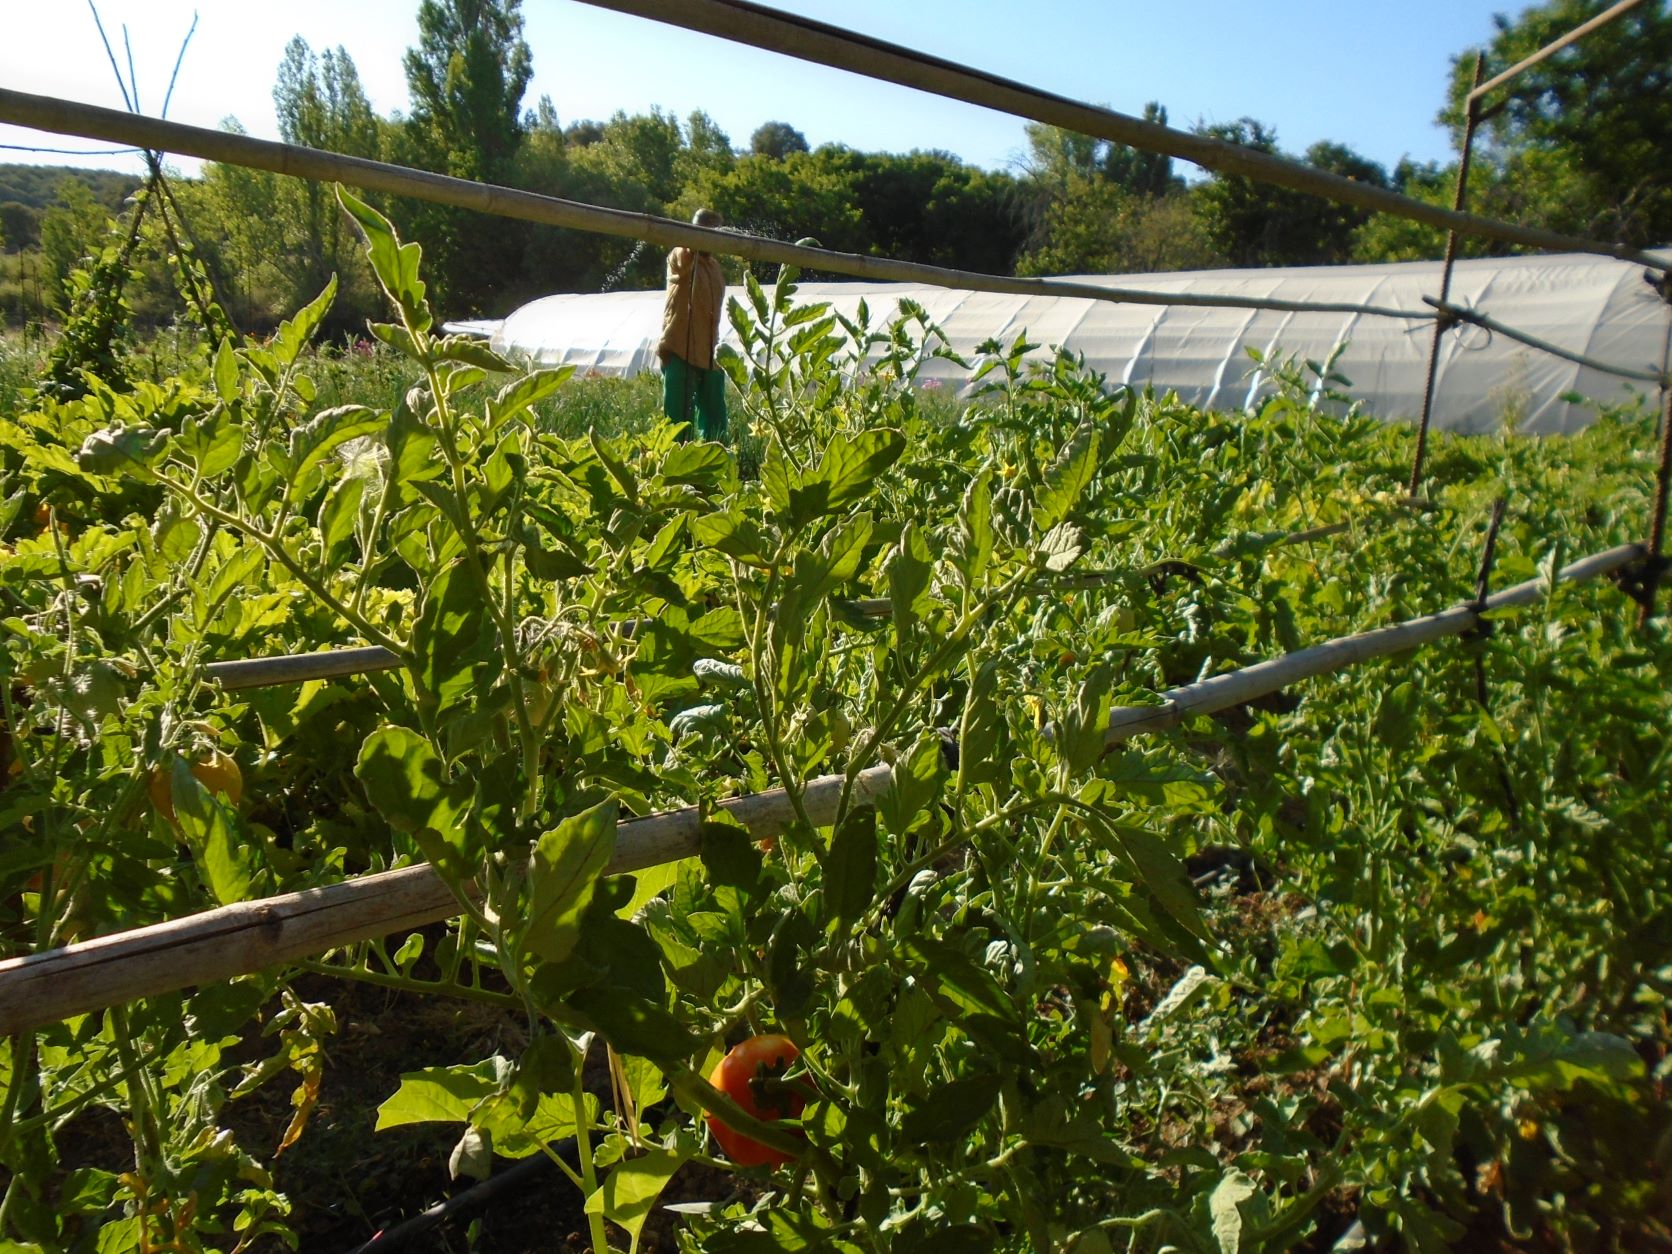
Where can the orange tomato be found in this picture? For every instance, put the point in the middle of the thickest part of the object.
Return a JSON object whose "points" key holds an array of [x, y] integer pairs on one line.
{"points": [[752, 1076]]}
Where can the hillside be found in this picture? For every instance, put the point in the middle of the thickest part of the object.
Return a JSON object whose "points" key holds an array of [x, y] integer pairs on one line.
{"points": [[37, 185]]}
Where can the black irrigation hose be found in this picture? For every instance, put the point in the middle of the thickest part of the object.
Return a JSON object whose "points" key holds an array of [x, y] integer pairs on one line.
{"points": [[460, 1204]]}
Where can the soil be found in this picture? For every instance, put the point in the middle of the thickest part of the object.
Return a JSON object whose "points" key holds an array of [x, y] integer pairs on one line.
{"points": [[349, 1184]]}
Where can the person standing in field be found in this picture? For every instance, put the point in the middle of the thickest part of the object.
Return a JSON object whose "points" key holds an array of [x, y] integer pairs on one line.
{"points": [[693, 386]]}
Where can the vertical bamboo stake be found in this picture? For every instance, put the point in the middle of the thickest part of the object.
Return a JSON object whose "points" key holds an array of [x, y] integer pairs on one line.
{"points": [[1471, 120]]}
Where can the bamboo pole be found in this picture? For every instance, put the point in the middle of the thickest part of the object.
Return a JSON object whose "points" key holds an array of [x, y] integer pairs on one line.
{"points": [[1480, 319], [825, 44], [1238, 687], [296, 668], [49, 113], [251, 936]]}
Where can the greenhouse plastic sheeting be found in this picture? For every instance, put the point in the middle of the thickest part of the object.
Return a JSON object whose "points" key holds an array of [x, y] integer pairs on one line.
{"points": [[1587, 304]]}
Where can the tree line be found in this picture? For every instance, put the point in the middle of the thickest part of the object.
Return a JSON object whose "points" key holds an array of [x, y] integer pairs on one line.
{"points": [[1578, 144]]}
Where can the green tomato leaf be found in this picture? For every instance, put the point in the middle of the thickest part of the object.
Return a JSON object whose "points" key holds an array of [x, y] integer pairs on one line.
{"points": [[293, 336], [404, 780], [1067, 479], [850, 466], [1225, 1210], [394, 263], [224, 859], [629, 1192], [1061, 547], [910, 574], [919, 777], [454, 639], [471, 352], [338, 514], [440, 1094], [633, 1024], [850, 868], [951, 1111], [224, 372], [519, 394], [702, 465], [324, 433], [563, 870], [974, 546]]}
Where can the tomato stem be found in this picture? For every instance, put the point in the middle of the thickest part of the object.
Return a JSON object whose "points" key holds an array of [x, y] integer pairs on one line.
{"points": [[583, 1142]]}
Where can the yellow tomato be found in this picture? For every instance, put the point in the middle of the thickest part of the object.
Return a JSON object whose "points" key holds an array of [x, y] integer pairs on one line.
{"points": [[217, 772]]}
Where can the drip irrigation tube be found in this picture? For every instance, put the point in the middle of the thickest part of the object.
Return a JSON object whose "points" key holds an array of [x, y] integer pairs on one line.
{"points": [[460, 1204]]}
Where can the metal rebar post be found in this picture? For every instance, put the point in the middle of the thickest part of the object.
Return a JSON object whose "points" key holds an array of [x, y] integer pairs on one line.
{"points": [[1655, 563], [1460, 197]]}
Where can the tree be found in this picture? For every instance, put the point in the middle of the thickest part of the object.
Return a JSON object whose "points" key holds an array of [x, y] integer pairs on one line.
{"points": [[1597, 115], [777, 140], [1096, 206], [20, 226], [1137, 171], [466, 78], [71, 231], [707, 147], [1055, 155], [320, 103], [1097, 227], [792, 198], [930, 207], [1256, 224], [579, 134]]}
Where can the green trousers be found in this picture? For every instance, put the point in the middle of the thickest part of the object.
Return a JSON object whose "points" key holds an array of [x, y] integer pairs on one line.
{"points": [[695, 396]]}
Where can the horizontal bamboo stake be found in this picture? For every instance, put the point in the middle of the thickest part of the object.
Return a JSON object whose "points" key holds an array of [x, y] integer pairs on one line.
{"points": [[251, 936], [1238, 687], [296, 668], [1480, 319], [67, 117], [254, 935], [824, 44]]}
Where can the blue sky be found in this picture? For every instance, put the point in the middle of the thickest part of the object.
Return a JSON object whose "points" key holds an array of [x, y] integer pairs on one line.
{"points": [[1367, 73]]}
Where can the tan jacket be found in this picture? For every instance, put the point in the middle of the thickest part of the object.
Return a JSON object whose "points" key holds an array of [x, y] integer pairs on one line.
{"points": [[691, 316]]}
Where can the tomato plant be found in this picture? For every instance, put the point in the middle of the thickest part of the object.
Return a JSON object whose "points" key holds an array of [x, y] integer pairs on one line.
{"points": [[1379, 951]]}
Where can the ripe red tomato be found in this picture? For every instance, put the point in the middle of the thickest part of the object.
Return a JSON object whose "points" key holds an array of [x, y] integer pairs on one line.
{"points": [[752, 1076]]}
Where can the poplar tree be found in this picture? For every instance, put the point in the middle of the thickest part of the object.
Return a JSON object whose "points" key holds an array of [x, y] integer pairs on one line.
{"points": [[466, 78]]}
